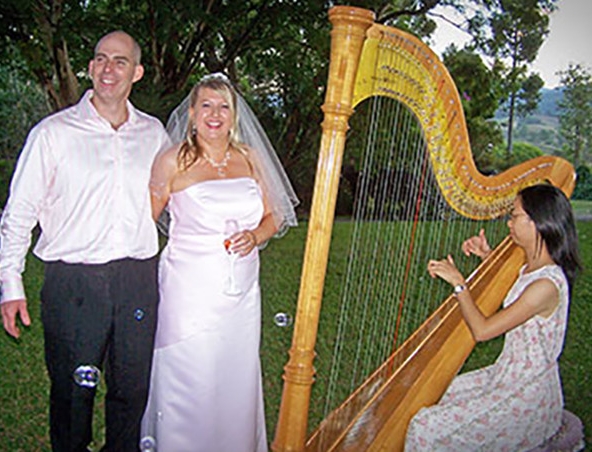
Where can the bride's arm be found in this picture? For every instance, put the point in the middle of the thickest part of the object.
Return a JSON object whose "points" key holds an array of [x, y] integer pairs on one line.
{"points": [[266, 228], [245, 241], [164, 170]]}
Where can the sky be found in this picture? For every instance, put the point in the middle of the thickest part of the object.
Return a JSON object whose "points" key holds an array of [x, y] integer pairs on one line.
{"points": [[569, 40]]}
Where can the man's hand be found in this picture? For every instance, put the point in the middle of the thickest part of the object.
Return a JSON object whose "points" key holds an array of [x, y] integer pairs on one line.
{"points": [[10, 310]]}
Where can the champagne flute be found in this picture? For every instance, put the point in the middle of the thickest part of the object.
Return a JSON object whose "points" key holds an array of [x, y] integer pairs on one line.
{"points": [[230, 228]]}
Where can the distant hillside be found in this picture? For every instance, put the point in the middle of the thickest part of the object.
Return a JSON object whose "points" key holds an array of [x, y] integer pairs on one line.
{"points": [[542, 127]]}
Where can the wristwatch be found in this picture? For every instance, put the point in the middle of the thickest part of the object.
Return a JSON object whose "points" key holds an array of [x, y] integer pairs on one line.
{"points": [[459, 288]]}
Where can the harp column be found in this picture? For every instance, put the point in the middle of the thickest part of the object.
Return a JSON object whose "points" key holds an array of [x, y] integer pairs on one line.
{"points": [[347, 38]]}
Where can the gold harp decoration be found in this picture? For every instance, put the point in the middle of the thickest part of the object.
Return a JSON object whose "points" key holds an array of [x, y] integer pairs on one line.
{"points": [[376, 415]]}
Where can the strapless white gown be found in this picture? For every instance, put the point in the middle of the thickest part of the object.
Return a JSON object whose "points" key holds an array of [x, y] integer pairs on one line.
{"points": [[206, 392]]}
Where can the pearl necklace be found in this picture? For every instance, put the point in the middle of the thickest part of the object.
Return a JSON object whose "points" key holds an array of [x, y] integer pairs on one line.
{"points": [[220, 167]]}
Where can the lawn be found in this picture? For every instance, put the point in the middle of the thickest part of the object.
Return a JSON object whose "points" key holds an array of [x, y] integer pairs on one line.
{"points": [[24, 385], [582, 208]]}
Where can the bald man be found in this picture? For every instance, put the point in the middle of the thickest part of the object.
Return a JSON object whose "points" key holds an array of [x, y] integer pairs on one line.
{"points": [[83, 177]]}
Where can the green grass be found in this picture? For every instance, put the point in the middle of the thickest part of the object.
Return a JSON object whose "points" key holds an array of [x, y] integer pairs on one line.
{"points": [[582, 207], [24, 385]]}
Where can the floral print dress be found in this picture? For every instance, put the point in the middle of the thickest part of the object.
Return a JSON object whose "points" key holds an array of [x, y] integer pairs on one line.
{"points": [[512, 405]]}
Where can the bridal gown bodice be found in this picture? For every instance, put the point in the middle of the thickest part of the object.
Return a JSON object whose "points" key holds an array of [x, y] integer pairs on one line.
{"points": [[206, 392], [194, 264]]}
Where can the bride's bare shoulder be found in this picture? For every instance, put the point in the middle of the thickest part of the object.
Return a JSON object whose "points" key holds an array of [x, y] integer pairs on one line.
{"points": [[168, 157]]}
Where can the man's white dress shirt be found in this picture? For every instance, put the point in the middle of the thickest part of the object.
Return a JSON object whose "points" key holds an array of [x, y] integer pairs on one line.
{"points": [[86, 185]]}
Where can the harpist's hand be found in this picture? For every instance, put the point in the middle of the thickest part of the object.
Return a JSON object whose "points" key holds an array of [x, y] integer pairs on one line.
{"points": [[446, 270], [477, 245]]}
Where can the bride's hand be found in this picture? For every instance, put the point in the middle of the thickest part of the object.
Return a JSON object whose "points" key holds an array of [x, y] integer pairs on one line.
{"points": [[243, 242]]}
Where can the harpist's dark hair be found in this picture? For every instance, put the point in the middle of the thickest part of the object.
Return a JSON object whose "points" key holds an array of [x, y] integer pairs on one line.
{"points": [[553, 217]]}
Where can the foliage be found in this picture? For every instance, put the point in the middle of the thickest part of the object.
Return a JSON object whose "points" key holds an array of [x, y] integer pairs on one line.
{"points": [[518, 29], [525, 151], [529, 95], [486, 135], [541, 130], [522, 152], [583, 188], [576, 112], [22, 104], [478, 85], [44, 33], [276, 51], [480, 92]]}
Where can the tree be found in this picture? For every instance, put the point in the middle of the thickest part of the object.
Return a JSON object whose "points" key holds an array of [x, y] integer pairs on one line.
{"points": [[518, 29], [479, 88], [583, 188], [276, 51], [44, 35], [575, 117], [22, 104], [529, 95], [522, 153]]}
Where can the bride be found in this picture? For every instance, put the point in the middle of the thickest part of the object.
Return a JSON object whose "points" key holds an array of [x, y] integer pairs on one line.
{"points": [[225, 199]]}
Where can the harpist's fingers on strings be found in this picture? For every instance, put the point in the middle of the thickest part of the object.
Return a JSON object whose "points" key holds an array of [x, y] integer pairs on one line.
{"points": [[469, 246], [432, 268]]}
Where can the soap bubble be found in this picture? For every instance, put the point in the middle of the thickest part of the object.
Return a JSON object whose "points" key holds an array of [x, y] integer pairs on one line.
{"points": [[87, 376], [282, 319], [147, 444], [139, 314]]}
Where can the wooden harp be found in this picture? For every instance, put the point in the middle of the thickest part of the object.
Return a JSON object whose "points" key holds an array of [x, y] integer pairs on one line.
{"points": [[369, 60]]}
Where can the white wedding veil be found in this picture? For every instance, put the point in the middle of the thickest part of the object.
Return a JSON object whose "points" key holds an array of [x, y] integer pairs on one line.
{"points": [[278, 190]]}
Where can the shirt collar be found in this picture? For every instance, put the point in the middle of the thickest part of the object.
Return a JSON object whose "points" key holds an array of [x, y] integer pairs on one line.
{"points": [[88, 111]]}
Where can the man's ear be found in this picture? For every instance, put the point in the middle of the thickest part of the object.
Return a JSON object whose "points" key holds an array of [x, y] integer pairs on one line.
{"points": [[138, 73]]}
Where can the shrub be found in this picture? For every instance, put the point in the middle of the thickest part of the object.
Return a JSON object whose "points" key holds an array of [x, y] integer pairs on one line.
{"points": [[583, 188]]}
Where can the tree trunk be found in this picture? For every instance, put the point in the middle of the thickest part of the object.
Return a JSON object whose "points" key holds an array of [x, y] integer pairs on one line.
{"points": [[511, 123], [577, 148], [61, 85], [67, 81]]}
